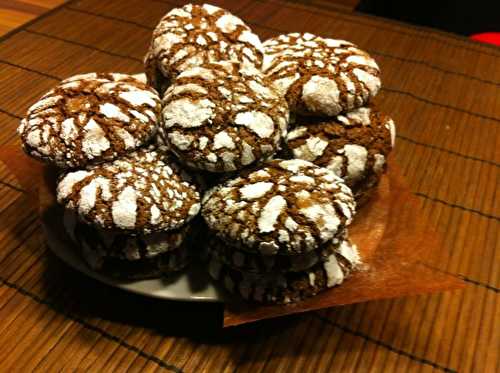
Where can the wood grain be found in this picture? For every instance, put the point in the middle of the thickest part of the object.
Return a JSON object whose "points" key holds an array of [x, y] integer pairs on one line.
{"points": [[442, 91]]}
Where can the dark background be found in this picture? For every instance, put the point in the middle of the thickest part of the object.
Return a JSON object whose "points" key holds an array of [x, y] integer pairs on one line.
{"points": [[462, 17]]}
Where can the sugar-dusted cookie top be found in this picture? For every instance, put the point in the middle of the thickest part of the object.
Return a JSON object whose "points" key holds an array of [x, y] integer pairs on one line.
{"points": [[320, 76], [90, 118], [222, 117], [284, 207], [353, 145], [196, 34], [142, 192]]}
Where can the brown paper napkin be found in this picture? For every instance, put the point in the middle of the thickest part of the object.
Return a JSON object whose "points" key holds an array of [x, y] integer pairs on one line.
{"points": [[394, 244], [390, 232]]}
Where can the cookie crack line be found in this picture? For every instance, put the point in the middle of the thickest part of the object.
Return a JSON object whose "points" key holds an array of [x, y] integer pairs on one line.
{"points": [[383, 344], [372, 51], [87, 325]]}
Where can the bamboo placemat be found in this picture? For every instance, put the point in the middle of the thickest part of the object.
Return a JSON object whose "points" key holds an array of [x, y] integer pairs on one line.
{"points": [[13, 13], [443, 92]]}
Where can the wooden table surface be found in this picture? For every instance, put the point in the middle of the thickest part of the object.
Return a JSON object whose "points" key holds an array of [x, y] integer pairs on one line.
{"points": [[443, 92]]}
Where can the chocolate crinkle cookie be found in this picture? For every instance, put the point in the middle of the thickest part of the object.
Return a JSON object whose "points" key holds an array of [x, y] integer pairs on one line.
{"points": [[129, 257], [142, 192], [354, 145], [221, 117], [284, 207], [289, 287], [90, 118], [196, 34], [320, 76]]}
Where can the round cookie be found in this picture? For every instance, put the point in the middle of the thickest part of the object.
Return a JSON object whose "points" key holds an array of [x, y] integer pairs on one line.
{"points": [[142, 192], [353, 145], [284, 207], [197, 34], [283, 288], [320, 76], [256, 263], [220, 117], [90, 118]]}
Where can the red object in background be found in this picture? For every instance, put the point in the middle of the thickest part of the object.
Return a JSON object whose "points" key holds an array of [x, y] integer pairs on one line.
{"points": [[487, 37]]}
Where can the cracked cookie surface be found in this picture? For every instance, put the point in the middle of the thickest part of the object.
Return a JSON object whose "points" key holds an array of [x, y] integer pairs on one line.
{"points": [[196, 34], [141, 192], [90, 118], [283, 207], [354, 145], [320, 76], [220, 117]]}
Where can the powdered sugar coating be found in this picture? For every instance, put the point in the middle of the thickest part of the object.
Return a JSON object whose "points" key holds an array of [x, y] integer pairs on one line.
{"points": [[90, 118], [285, 207], [353, 145], [143, 192], [282, 288], [320, 76], [197, 34], [221, 117]]}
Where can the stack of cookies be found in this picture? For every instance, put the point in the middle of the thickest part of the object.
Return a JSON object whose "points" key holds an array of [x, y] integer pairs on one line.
{"points": [[127, 205], [329, 85], [217, 104], [280, 231]]}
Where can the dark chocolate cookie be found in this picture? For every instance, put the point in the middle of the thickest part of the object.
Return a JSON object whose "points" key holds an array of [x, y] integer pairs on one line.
{"points": [[90, 118], [197, 34], [219, 117], [320, 76], [283, 207], [354, 145], [142, 192]]}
